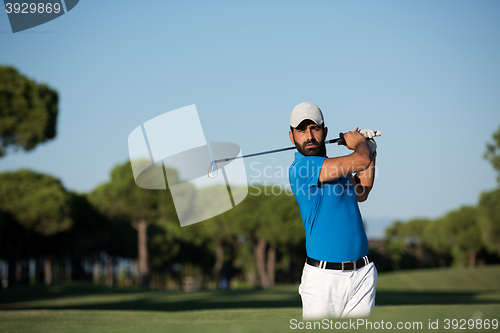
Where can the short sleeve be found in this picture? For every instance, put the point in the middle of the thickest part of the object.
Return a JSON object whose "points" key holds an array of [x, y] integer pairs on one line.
{"points": [[304, 173]]}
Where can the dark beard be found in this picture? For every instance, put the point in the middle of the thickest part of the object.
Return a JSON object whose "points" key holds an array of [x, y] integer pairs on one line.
{"points": [[319, 150]]}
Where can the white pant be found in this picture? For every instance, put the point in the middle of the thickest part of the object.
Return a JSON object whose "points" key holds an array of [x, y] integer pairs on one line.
{"points": [[333, 293]]}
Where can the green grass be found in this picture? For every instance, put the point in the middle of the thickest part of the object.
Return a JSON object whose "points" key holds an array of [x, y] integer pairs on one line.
{"points": [[486, 278], [409, 296]]}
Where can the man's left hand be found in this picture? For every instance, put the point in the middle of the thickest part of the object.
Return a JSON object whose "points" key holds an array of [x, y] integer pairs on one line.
{"points": [[367, 133]]}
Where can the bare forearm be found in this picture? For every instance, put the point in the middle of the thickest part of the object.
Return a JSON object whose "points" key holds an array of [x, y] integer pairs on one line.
{"points": [[337, 167], [363, 182], [367, 177]]}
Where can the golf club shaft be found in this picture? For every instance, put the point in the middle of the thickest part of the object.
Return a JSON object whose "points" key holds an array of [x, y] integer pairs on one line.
{"points": [[268, 152]]}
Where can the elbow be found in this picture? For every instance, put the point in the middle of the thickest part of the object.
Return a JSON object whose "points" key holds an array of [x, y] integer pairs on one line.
{"points": [[362, 198], [362, 193]]}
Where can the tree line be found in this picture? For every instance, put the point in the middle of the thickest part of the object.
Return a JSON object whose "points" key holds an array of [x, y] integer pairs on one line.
{"points": [[71, 236], [67, 232], [467, 236]]}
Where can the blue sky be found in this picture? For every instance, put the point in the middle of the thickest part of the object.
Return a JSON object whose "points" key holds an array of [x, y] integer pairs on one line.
{"points": [[425, 73]]}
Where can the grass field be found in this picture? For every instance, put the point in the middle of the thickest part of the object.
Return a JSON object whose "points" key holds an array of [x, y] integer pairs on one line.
{"points": [[409, 297]]}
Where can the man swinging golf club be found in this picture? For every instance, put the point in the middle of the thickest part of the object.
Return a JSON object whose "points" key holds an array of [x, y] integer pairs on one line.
{"points": [[338, 279]]}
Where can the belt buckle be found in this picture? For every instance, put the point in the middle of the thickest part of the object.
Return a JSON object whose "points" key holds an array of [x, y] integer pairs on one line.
{"points": [[347, 262]]}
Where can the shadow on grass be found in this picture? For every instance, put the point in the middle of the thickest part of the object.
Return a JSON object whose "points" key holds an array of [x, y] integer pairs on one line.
{"points": [[78, 297]]}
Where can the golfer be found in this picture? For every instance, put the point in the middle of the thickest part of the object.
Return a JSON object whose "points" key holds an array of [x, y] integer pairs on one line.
{"points": [[338, 279]]}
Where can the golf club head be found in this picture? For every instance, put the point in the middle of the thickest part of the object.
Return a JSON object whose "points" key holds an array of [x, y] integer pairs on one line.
{"points": [[213, 170]]}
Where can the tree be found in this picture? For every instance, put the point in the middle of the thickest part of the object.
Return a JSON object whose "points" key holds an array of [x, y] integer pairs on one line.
{"points": [[32, 203], [492, 153], [281, 227], [121, 198], [463, 235], [489, 203], [218, 233], [489, 219], [93, 233], [410, 237], [269, 221], [436, 237], [28, 111]]}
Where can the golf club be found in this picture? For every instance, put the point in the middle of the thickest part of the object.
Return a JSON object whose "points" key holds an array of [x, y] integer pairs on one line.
{"points": [[213, 170]]}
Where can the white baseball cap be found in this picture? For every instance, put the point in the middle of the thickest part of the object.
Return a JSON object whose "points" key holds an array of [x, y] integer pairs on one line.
{"points": [[305, 111]]}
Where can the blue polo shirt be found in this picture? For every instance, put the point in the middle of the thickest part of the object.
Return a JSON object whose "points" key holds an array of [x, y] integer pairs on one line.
{"points": [[330, 212]]}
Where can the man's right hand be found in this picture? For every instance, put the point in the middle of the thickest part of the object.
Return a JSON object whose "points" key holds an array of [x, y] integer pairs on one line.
{"points": [[353, 138]]}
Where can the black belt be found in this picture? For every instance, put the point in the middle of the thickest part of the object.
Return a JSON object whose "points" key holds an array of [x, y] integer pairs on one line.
{"points": [[345, 266]]}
